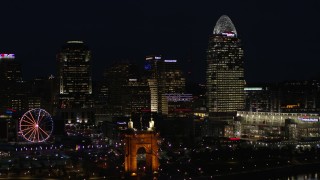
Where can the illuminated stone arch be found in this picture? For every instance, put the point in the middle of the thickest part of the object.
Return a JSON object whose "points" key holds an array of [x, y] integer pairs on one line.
{"points": [[148, 140]]}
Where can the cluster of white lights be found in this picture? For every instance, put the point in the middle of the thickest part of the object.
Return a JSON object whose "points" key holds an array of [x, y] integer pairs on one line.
{"points": [[7, 56], [223, 25]]}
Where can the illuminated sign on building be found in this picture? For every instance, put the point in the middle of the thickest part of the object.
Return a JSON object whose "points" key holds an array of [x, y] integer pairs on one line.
{"points": [[155, 57], [5, 116], [291, 106], [9, 111], [147, 66], [253, 88], [7, 56], [308, 119], [121, 123], [228, 34], [173, 60], [133, 80], [178, 97], [75, 42]]}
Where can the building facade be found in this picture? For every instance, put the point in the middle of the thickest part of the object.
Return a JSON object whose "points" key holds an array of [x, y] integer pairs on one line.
{"points": [[152, 71], [128, 92], [164, 77], [75, 82], [274, 125], [225, 70], [10, 70]]}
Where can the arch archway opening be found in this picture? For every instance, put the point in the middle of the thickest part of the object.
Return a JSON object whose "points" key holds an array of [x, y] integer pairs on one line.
{"points": [[142, 160]]}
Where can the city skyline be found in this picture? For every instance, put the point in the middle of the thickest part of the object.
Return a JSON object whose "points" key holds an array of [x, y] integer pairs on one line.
{"points": [[159, 90], [270, 31]]}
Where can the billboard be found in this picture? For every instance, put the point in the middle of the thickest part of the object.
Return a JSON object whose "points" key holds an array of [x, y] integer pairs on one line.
{"points": [[308, 119], [7, 56]]}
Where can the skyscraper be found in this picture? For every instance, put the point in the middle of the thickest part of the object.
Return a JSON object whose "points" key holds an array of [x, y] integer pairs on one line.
{"points": [[12, 92], [172, 88], [75, 82], [165, 79], [171, 79], [74, 74], [152, 64], [128, 93], [10, 70], [225, 71]]}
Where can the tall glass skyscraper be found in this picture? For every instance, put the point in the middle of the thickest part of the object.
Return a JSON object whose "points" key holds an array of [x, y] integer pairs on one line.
{"points": [[164, 78], [74, 73], [225, 71], [10, 70], [75, 82]]}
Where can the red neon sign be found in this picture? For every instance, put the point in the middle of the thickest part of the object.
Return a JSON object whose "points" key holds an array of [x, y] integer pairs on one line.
{"points": [[234, 139]]}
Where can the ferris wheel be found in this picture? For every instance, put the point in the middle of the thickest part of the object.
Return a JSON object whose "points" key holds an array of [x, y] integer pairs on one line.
{"points": [[36, 125]]}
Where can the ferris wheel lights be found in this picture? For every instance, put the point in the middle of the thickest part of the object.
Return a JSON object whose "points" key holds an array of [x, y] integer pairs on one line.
{"points": [[36, 125]]}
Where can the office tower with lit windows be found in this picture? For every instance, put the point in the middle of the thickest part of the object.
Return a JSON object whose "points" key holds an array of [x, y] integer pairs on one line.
{"points": [[174, 101], [165, 79], [12, 92], [75, 82], [225, 79], [172, 79], [225, 71], [151, 68], [128, 93], [10, 70]]}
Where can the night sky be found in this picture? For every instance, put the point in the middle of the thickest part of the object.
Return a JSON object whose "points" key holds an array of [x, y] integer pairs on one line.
{"points": [[280, 38]]}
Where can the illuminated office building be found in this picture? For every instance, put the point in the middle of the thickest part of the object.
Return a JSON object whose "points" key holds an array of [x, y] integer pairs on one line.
{"points": [[165, 78], [127, 92], [177, 105], [172, 82], [151, 67], [172, 79], [74, 73], [12, 91], [10, 70], [225, 71], [138, 95], [75, 82], [258, 99]]}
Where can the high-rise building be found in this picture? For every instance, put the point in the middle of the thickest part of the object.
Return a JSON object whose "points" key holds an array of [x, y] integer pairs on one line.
{"points": [[127, 92], [172, 79], [10, 70], [165, 78], [43, 94], [13, 91], [225, 71], [174, 101], [257, 99], [138, 95], [75, 82], [152, 71], [74, 75]]}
